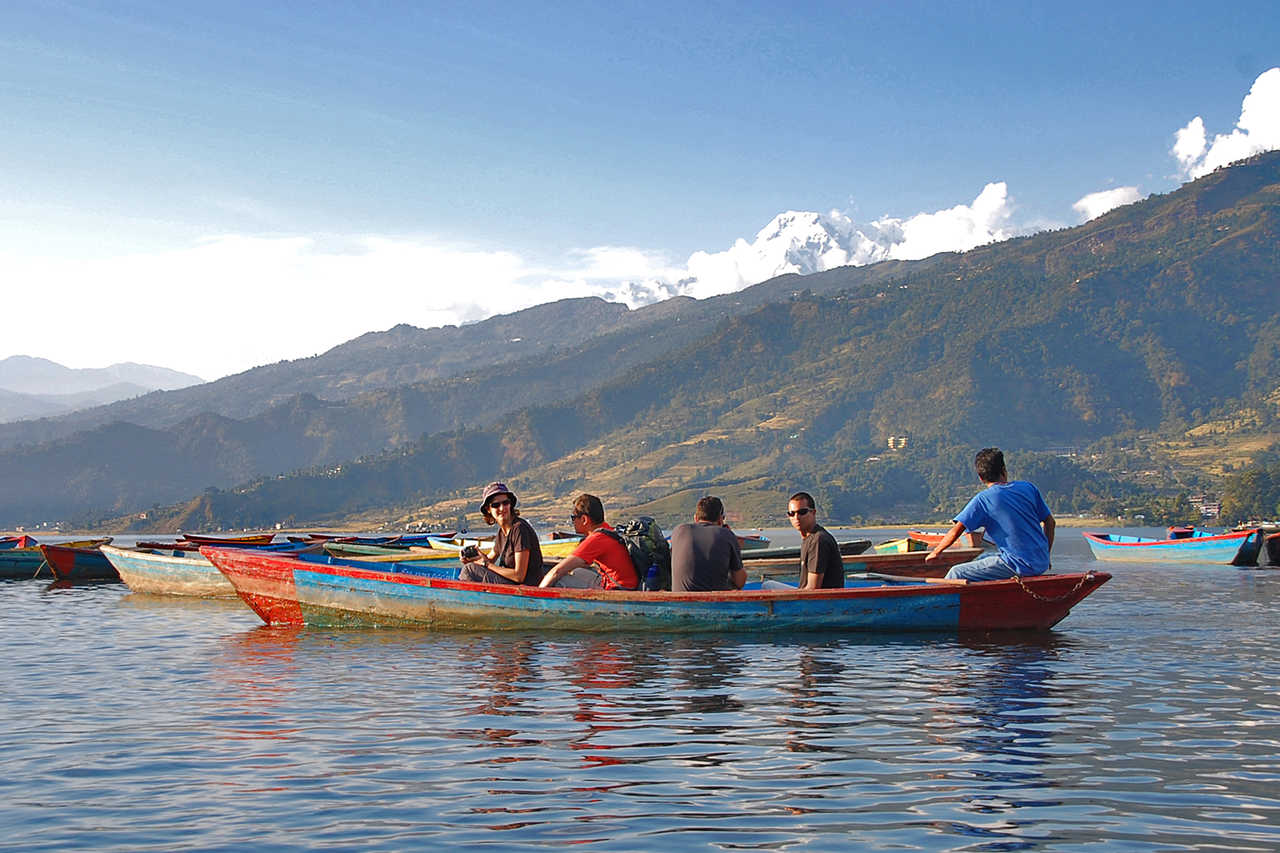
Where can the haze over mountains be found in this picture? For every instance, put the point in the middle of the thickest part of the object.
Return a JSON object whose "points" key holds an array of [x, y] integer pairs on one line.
{"points": [[1145, 319], [36, 387]]}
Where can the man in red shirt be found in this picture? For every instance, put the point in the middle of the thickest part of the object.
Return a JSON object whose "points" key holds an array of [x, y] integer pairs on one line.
{"points": [[600, 561]]}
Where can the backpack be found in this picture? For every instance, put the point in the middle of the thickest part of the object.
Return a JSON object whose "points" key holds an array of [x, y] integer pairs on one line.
{"points": [[644, 541]]}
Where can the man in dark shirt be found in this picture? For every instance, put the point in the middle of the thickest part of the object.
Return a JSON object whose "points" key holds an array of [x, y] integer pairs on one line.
{"points": [[820, 563], [705, 554]]}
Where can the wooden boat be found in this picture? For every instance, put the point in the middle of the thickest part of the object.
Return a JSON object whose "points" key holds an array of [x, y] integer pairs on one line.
{"points": [[234, 539], [457, 543], [20, 562], [80, 562], [901, 546], [752, 541], [382, 553], [286, 590], [902, 563], [1269, 556], [28, 562], [171, 571], [180, 545], [556, 549], [177, 571], [792, 552], [1237, 548], [933, 537]]}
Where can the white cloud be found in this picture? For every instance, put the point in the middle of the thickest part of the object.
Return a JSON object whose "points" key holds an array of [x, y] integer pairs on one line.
{"points": [[1189, 144], [1257, 130], [956, 229], [231, 302], [806, 242], [1095, 204]]}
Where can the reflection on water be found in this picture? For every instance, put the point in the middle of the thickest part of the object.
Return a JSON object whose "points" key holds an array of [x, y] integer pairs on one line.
{"points": [[1150, 719]]}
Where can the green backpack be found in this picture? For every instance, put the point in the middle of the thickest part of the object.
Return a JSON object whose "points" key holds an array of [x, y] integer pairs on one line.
{"points": [[648, 548]]}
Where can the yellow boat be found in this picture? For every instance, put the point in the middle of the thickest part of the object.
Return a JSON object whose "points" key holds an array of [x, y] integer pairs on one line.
{"points": [[901, 546]]}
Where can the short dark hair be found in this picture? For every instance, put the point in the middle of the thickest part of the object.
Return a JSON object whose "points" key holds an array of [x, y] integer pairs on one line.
{"points": [[990, 464], [709, 509], [590, 506], [803, 496]]}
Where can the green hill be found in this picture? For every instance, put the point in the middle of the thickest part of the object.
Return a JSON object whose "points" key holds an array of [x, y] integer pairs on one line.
{"points": [[1110, 337]]}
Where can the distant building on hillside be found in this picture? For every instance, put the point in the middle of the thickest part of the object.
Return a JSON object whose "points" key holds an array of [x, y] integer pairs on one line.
{"points": [[1207, 506]]}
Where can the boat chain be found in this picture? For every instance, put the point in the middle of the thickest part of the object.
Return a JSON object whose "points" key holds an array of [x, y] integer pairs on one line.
{"points": [[1038, 597]]}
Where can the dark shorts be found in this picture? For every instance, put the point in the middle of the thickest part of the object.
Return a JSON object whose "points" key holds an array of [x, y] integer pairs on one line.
{"points": [[477, 573]]}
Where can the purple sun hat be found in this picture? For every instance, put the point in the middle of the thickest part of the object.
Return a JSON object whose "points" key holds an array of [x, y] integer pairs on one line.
{"points": [[491, 491]]}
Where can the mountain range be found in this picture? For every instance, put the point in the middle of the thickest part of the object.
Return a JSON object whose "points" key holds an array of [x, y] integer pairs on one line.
{"points": [[868, 385], [37, 388]]}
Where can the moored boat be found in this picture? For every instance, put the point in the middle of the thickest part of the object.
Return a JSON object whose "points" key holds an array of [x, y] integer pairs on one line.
{"points": [[171, 571], [230, 538], [1236, 548], [178, 571], [1269, 556], [792, 552], [80, 562], [552, 548], [901, 546], [20, 558], [968, 539], [901, 563], [752, 541], [382, 553], [284, 590]]}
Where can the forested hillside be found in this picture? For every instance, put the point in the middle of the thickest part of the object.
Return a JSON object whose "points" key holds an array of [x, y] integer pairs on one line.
{"points": [[1147, 321], [118, 458]]}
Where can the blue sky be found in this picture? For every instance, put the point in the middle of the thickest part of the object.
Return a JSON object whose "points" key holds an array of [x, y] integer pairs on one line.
{"points": [[359, 165]]}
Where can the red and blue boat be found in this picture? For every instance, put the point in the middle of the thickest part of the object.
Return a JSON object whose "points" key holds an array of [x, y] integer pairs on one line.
{"points": [[288, 590], [1183, 545], [80, 561]]}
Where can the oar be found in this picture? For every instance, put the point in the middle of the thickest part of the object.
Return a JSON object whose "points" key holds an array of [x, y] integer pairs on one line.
{"points": [[877, 576]]}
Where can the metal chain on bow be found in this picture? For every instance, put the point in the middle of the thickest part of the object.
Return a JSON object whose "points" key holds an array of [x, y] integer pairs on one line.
{"points": [[1038, 597]]}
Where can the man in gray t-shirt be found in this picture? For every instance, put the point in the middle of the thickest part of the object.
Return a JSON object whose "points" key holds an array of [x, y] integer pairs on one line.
{"points": [[820, 564], [705, 556]]}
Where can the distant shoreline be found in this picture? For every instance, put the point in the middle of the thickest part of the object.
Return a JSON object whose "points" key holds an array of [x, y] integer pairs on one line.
{"points": [[1069, 521]]}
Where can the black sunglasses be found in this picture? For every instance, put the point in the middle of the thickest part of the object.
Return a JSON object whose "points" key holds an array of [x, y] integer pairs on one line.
{"points": [[802, 512], [496, 504]]}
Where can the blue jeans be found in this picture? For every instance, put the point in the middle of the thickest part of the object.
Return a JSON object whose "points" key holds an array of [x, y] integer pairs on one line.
{"points": [[982, 569]]}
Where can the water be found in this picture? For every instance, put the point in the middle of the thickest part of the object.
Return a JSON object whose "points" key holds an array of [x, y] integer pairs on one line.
{"points": [[1150, 719]]}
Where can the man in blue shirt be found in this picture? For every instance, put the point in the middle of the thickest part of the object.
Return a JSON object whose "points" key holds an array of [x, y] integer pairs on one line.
{"points": [[1016, 520]]}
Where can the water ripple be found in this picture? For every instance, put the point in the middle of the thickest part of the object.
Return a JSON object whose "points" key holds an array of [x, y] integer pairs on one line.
{"points": [[1149, 719]]}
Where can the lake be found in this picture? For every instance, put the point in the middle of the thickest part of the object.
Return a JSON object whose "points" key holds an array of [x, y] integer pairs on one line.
{"points": [[1149, 719]]}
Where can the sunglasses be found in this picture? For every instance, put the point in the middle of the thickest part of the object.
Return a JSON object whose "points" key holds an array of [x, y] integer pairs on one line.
{"points": [[575, 516], [496, 504], [802, 512]]}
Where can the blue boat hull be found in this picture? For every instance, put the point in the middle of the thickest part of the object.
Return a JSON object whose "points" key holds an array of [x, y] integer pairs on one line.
{"points": [[294, 591], [21, 563], [1237, 549], [157, 572]]}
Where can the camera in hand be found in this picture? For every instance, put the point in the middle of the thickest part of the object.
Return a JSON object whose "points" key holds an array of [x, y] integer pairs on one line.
{"points": [[471, 552]]}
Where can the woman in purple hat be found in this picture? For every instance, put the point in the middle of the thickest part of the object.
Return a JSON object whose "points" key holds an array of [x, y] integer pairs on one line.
{"points": [[516, 557]]}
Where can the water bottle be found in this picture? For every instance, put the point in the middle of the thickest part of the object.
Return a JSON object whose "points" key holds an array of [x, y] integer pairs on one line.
{"points": [[651, 578]]}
